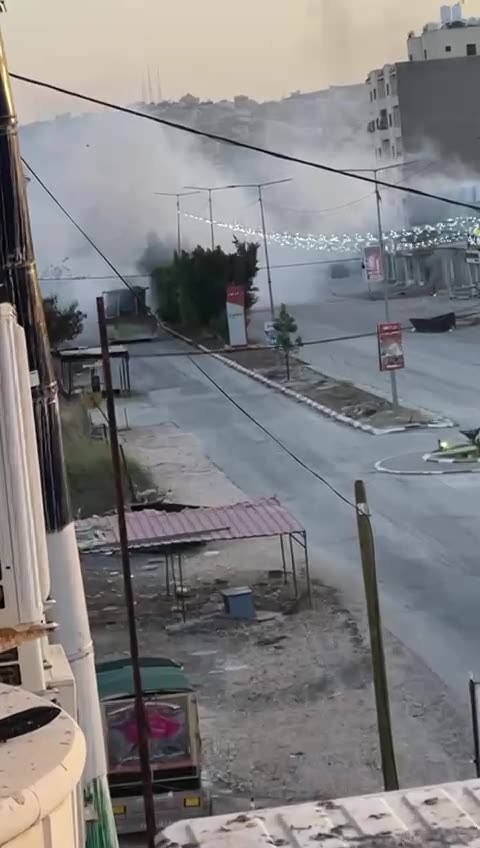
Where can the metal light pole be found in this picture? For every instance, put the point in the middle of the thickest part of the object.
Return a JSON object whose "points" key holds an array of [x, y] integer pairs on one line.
{"points": [[383, 253], [209, 190], [178, 195], [258, 186], [19, 286], [381, 242]]}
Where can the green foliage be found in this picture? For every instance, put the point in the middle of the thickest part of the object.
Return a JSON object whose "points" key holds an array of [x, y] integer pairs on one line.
{"points": [[285, 326], [192, 289], [63, 323]]}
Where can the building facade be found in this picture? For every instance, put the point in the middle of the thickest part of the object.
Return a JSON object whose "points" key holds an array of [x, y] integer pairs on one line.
{"points": [[452, 37], [426, 106]]}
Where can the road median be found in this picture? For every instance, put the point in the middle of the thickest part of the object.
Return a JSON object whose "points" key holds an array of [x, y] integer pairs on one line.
{"points": [[340, 400]]}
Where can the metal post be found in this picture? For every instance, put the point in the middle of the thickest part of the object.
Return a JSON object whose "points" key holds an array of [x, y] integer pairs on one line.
{"points": [[476, 737], [393, 376], [140, 712], [210, 207], [267, 258], [367, 552], [179, 227]]}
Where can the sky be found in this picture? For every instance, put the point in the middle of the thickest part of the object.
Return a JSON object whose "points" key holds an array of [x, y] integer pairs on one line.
{"points": [[211, 48]]}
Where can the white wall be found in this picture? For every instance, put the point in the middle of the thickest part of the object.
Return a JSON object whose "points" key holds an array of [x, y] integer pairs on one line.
{"points": [[433, 44]]}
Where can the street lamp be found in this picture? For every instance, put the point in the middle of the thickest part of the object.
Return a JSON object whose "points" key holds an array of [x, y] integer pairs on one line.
{"points": [[259, 187], [381, 242], [177, 195]]}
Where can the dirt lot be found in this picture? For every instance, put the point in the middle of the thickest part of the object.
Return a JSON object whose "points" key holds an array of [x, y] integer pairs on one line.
{"points": [[286, 702]]}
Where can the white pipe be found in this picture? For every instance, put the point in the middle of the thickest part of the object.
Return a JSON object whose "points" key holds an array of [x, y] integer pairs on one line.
{"points": [[25, 387], [74, 634], [18, 543]]}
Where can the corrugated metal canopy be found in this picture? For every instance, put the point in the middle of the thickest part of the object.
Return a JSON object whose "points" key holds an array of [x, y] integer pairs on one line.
{"points": [[247, 520], [435, 816]]}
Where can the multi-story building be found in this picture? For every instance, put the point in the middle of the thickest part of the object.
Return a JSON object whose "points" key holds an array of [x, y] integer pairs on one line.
{"points": [[427, 104], [452, 37]]}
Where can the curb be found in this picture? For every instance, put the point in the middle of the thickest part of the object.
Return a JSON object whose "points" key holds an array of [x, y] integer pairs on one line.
{"points": [[427, 457], [378, 467], [313, 404]]}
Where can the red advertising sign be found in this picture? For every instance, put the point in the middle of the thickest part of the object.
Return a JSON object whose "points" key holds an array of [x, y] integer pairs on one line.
{"points": [[390, 347], [237, 328], [373, 264]]}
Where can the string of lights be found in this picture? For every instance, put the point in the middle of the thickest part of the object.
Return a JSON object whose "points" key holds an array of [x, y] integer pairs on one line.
{"points": [[424, 236]]}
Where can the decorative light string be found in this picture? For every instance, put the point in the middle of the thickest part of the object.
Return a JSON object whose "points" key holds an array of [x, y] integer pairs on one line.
{"points": [[449, 232]]}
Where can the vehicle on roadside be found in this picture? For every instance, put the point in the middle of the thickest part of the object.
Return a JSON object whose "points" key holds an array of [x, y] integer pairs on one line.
{"points": [[174, 742]]}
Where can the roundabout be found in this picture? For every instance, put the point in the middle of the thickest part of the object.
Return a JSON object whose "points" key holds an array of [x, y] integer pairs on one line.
{"points": [[461, 458]]}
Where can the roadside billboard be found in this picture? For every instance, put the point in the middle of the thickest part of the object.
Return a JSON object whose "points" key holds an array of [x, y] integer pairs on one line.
{"points": [[373, 264], [390, 347], [237, 327]]}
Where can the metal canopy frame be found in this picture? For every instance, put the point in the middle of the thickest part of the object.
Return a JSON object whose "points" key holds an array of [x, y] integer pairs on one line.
{"points": [[174, 566]]}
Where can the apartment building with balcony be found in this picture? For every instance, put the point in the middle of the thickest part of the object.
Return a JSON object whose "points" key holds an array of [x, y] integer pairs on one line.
{"points": [[427, 105]]}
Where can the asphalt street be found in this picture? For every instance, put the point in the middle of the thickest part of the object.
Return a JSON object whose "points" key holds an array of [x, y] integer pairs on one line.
{"points": [[427, 529], [442, 371]]}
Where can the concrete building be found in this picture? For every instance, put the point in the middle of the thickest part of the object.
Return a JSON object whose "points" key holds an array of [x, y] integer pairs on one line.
{"points": [[452, 37], [427, 105]]}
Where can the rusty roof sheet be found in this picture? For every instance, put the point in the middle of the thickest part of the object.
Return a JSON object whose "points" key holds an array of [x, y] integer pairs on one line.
{"points": [[435, 816], [149, 527]]}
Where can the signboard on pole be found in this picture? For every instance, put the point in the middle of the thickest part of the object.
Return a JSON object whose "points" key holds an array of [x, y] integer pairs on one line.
{"points": [[237, 327], [390, 347], [373, 263]]}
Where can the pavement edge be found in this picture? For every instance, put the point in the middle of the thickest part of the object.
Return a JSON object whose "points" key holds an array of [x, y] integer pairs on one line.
{"points": [[313, 404]]}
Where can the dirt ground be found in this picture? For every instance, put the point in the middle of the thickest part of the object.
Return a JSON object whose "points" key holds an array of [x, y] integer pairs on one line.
{"points": [[286, 702]]}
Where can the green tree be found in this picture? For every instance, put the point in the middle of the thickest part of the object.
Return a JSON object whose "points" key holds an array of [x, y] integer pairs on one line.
{"points": [[63, 323], [285, 326], [192, 290]]}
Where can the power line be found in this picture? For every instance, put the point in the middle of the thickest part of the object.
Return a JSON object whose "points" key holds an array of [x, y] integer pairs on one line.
{"points": [[87, 278], [274, 438], [86, 236], [242, 144], [254, 349]]}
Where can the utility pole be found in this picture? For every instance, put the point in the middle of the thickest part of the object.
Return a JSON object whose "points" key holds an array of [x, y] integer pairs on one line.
{"points": [[381, 242], [140, 712], [19, 286], [383, 252], [367, 552], [267, 258], [178, 195]]}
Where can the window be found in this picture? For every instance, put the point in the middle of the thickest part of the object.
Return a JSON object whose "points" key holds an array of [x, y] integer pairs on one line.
{"points": [[379, 153], [410, 57], [390, 120], [393, 84], [471, 49], [374, 93], [448, 48], [388, 90], [381, 88], [386, 147], [393, 151], [396, 116], [425, 54], [399, 148]]}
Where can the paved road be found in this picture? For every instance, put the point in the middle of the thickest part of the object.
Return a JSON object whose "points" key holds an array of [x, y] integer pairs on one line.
{"points": [[427, 530], [442, 373]]}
